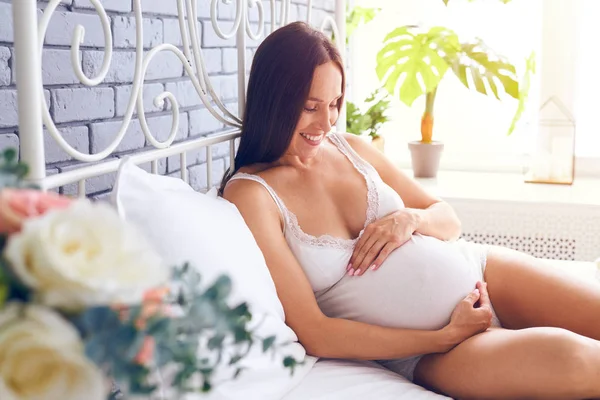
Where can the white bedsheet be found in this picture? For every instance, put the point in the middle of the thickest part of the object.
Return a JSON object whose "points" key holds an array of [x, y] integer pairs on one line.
{"points": [[357, 380]]}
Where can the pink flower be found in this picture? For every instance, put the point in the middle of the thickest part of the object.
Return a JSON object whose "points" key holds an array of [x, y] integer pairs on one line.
{"points": [[146, 352], [152, 305], [16, 205]]}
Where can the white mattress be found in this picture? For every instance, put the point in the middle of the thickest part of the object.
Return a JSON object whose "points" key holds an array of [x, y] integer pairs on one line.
{"points": [[357, 380]]}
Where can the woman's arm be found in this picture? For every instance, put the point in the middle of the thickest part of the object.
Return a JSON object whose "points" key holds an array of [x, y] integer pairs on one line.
{"points": [[320, 335], [427, 214]]}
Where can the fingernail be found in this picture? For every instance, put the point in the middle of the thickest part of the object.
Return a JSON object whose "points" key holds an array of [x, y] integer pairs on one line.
{"points": [[373, 267], [351, 272], [476, 291], [349, 267]]}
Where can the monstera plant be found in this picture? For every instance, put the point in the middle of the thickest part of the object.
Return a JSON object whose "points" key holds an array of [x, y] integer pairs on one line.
{"points": [[414, 61]]}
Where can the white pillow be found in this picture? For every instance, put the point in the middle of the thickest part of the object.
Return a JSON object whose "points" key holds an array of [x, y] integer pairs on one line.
{"points": [[210, 234]]}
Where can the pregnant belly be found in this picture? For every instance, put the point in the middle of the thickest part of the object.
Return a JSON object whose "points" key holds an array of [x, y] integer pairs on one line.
{"points": [[417, 287]]}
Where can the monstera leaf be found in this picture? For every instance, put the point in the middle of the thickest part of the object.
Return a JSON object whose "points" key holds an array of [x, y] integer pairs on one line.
{"points": [[484, 65], [419, 57]]}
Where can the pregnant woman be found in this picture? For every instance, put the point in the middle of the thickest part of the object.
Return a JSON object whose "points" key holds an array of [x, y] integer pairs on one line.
{"points": [[366, 262]]}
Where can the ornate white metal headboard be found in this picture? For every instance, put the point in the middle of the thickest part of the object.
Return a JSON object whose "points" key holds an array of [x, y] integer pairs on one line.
{"points": [[33, 110]]}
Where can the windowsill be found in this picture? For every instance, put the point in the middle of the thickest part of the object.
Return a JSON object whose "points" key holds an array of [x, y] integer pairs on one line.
{"points": [[510, 187]]}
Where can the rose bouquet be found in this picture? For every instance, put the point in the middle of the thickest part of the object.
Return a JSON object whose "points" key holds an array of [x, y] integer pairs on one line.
{"points": [[85, 303]]}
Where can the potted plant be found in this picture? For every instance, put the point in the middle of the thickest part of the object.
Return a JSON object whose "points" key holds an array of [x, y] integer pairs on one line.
{"points": [[423, 57], [369, 122]]}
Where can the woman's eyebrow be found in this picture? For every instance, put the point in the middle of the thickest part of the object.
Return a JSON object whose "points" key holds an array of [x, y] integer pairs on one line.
{"points": [[321, 101]]}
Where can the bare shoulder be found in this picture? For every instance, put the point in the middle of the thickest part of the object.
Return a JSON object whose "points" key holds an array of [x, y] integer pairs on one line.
{"points": [[367, 152], [252, 200]]}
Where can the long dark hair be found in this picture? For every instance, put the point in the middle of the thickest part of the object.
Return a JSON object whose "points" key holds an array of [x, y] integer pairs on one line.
{"points": [[279, 84]]}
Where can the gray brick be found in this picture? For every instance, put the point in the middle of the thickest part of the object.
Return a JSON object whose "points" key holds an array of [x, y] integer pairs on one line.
{"points": [[162, 166], [212, 60], [83, 104], [122, 68], [109, 5], [295, 13], [4, 68], [219, 150], [204, 9], [102, 134], [160, 127], [93, 185], [210, 37], [57, 68], [8, 108], [6, 27], [193, 157], [328, 5], [227, 11], [185, 93], [162, 7], [150, 92], [172, 32], [62, 25], [317, 17], [203, 122], [198, 175], [76, 136], [8, 140], [253, 13], [230, 59], [302, 12], [226, 86], [165, 65], [124, 30]]}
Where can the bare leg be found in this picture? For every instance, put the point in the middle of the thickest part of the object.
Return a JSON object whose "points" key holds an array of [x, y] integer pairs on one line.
{"points": [[528, 292], [535, 363]]}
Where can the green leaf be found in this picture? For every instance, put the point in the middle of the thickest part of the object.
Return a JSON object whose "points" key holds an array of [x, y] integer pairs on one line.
{"points": [[10, 155], [524, 91], [267, 343], [419, 57], [359, 16], [484, 65], [220, 289], [216, 342]]}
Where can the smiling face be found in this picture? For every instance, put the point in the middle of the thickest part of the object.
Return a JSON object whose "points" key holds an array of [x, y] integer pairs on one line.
{"points": [[320, 111]]}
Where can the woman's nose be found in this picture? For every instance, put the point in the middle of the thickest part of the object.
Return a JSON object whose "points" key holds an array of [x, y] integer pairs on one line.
{"points": [[325, 121]]}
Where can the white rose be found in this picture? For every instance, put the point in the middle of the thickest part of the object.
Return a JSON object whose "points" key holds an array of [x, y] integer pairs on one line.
{"points": [[84, 255], [42, 358]]}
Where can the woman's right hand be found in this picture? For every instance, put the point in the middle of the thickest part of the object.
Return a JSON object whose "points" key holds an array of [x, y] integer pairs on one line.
{"points": [[468, 320]]}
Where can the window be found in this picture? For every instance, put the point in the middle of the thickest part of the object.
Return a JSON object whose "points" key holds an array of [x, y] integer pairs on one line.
{"points": [[472, 126], [587, 86]]}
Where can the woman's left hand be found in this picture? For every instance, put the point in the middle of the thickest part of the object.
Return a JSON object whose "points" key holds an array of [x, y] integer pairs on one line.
{"points": [[380, 238]]}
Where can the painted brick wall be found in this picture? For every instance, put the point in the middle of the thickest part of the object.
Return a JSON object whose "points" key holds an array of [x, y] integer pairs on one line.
{"points": [[89, 118]]}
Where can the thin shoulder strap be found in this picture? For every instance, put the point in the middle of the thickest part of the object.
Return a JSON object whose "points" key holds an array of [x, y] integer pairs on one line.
{"points": [[280, 205], [344, 147]]}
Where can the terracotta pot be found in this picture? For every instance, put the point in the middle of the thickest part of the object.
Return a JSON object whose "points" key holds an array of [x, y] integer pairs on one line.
{"points": [[425, 158], [379, 143]]}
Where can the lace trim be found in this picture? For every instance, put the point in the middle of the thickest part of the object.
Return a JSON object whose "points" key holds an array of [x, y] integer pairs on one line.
{"points": [[366, 171], [328, 240]]}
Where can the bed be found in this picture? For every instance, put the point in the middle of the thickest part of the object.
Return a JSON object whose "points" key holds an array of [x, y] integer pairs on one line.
{"points": [[323, 379]]}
